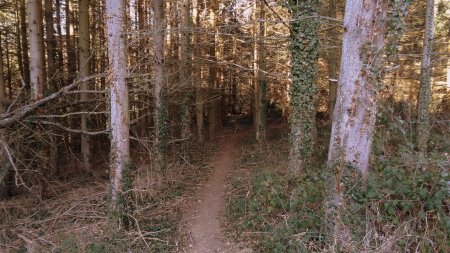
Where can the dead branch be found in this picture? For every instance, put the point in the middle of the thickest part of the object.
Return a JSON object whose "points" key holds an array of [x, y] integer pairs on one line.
{"points": [[7, 119]]}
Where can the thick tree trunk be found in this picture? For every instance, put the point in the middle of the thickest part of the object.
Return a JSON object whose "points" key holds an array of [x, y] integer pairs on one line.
{"points": [[36, 49], [160, 90], [304, 53], [120, 120], [333, 62], [423, 101], [199, 103], [261, 87], [356, 107], [84, 55]]}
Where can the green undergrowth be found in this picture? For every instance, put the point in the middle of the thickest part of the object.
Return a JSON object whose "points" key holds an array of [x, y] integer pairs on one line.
{"points": [[401, 204]]}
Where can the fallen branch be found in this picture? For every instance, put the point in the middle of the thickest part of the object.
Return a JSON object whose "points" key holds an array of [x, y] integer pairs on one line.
{"points": [[20, 113]]}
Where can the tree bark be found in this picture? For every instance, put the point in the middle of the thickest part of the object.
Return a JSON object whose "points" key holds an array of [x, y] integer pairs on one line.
{"points": [[261, 87], [70, 44], [199, 103], [120, 120], [2, 78], [36, 49], [304, 51], [51, 46], [185, 73], [24, 36], [423, 101], [3, 165], [356, 107], [214, 100], [60, 59], [84, 55], [160, 90], [333, 62]]}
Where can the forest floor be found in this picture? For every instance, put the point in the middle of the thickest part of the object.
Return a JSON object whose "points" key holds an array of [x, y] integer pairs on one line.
{"points": [[202, 220]]}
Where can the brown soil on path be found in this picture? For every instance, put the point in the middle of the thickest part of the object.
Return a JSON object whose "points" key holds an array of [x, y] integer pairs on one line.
{"points": [[203, 219]]}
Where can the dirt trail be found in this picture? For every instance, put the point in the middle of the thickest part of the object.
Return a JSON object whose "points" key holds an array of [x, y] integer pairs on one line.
{"points": [[203, 219]]}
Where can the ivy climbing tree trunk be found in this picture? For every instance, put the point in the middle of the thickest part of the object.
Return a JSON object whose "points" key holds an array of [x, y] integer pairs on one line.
{"points": [[261, 84], [160, 90], [356, 107], [423, 101], [84, 56], [304, 53], [120, 119]]}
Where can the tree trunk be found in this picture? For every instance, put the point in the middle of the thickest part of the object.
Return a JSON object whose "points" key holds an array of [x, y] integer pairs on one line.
{"points": [[333, 61], [423, 101], [2, 78], [356, 107], [3, 165], [24, 35], [261, 87], [185, 73], [199, 103], [60, 59], [160, 90], [51, 46], [70, 44], [304, 53], [212, 78], [84, 55], [36, 49], [120, 120]]}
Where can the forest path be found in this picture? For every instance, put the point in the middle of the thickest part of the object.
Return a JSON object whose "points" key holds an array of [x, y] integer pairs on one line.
{"points": [[204, 217]]}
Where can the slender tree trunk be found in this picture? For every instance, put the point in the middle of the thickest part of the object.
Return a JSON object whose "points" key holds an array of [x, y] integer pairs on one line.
{"points": [[36, 49], [8, 80], [70, 43], [304, 51], [120, 119], [356, 108], [199, 103], [160, 91], [261, 87], [142, 59], [185, 73], [333, 62], [2, 78], [24, 36], [423, 101], [51, 45], [3, 165], [18, 39], [84, 56], [212, 78], [60, 59]]}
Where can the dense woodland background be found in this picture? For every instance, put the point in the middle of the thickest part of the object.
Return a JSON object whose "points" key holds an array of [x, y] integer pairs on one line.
{"points": [[111, 111]]}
